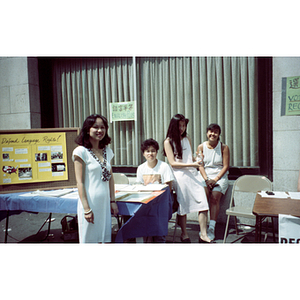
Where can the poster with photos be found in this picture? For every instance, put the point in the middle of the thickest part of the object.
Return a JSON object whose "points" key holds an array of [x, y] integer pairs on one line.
{"points": [[33, 157]]}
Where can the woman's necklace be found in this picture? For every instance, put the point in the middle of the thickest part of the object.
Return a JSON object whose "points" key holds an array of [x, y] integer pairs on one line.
{"points": [[105, 176]]}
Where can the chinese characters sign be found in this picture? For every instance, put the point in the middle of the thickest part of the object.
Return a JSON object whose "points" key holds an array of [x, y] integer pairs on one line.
{"points": [[34, 157], [122, 111], [290, 101]]}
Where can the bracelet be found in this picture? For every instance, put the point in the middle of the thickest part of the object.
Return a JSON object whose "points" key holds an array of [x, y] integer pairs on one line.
{"points": [[206, 180], [114, 201], [88, 212]]}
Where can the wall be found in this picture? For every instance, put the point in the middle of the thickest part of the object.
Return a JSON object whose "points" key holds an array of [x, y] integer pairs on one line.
{"points": [[19, 93], [286, 130]]}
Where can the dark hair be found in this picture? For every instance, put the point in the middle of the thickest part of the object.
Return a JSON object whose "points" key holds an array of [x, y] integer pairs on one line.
{"points": [[174, 135], [83, 139], [149, 142], [213, 126]]}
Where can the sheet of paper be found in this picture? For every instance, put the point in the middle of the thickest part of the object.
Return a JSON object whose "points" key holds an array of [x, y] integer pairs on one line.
{"points": [[72, 195], [135, 197], [151, 187], [294, 195], [280, 195], [54, 193]]}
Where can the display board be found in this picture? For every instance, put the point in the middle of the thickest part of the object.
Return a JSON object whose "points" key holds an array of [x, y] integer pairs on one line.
{"points": [[37, 159]]}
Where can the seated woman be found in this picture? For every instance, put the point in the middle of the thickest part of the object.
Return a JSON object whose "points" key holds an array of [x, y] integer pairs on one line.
{"points": [[214, 171], [152, 171]]}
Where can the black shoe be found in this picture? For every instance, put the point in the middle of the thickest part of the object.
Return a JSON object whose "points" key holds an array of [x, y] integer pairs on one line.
{"points": [[187, 240]]}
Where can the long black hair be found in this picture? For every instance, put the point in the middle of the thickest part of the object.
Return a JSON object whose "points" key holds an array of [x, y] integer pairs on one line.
{"points": [[83, 139], [174, 134]]}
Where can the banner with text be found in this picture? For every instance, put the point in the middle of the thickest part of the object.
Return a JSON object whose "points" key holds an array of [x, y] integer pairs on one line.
{"points": [[289, 229], [290, 98], [123, 111]]}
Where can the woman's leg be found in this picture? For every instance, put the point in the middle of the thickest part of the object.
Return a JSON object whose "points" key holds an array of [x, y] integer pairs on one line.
{"points": [[182, 224], [203, 223], [214, 204], [214, 208]]}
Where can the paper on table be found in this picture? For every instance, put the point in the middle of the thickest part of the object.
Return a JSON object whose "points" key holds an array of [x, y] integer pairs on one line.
{"points": [[135, 197], [73, 195], [294, 195], [280, 195], [119, 187], [151, 187], [54, 193], [139, 187]]}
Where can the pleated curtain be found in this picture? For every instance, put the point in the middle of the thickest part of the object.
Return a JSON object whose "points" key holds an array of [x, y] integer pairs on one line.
{"points": [[205, 89]]}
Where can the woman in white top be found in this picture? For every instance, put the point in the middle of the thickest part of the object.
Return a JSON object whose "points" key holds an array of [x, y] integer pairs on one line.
{"points": [[190, 192], [94, 181], [214, 171]]}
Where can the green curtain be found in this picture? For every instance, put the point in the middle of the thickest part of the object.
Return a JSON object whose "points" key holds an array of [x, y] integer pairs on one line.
{"points": [[205, 89]]}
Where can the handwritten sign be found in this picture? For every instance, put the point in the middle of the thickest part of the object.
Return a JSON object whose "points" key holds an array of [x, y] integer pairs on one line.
{"points": [[290, 100], [123, 111], [34, 157]]}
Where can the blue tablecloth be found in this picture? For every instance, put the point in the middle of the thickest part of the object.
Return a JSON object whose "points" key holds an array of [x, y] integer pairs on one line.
{"points": [[15, 201], [149, 219]]}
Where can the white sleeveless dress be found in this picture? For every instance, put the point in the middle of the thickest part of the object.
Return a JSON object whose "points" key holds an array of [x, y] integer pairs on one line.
{"points": [[98, 196], [213, 164], [189, 189]]}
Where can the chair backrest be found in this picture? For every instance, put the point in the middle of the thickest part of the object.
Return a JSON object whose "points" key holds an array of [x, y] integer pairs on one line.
{"points": [[250, 184], [120, 178]]}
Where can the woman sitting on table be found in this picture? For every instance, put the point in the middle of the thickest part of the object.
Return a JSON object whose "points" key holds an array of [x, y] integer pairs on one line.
{"points": [[94, 181], [214, 171]]}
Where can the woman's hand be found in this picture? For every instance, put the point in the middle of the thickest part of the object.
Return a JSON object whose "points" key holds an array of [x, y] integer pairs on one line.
{"points": [[89, 217], [210, 183], [114, 208]]}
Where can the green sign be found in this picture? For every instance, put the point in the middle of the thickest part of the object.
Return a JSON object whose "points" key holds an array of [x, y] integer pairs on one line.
{"points": [[122, 111], [290, 100]]}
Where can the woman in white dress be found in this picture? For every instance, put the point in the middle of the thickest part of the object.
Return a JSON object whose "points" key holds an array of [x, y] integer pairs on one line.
{"points": [[94, 181], [190, 192], [214, 171]]}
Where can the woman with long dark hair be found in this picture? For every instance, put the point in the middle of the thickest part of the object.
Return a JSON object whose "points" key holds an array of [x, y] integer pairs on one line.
{"points": [[95, 181], [190, 192]]}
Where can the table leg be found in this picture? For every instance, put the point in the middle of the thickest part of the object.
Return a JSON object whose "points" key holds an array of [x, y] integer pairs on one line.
{"points": [[48, 232], [258, 229], [6, 226]]}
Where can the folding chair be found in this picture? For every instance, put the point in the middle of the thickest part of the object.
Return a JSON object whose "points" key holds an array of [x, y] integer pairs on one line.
{"points": [[249, 184], [120, 178]]}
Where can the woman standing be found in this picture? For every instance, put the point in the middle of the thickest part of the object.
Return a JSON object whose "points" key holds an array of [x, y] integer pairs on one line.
{"points": [[190, 192], [94, 181], [214, 171]]}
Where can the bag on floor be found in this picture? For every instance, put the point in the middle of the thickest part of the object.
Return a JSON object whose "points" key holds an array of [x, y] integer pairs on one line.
{"points": [[69, 228]]}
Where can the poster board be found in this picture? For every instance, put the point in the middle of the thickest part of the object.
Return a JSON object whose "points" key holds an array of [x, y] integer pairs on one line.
{"points": [[290, 98], [37, 159]]}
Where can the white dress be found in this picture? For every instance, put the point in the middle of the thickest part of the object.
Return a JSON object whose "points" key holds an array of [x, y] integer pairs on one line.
{"points": [[98, 196], [213, 164], [189, 189]]}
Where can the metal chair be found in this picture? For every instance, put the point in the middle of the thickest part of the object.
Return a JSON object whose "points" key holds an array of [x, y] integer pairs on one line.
{"points": [[120, 178], [249, 184]]}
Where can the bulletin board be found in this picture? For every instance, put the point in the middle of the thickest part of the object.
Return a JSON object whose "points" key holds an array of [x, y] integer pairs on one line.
{"points": [[37, 159]]}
